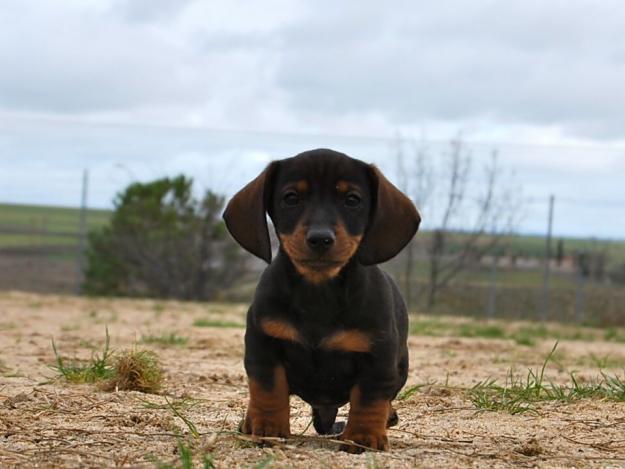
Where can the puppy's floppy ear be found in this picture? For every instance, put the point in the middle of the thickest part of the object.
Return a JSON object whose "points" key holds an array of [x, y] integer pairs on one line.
{"points": [[245, 214], [394, 221]]}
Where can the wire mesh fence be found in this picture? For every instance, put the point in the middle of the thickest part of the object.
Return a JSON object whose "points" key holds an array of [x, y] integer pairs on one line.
{"points": [[577, 275]]}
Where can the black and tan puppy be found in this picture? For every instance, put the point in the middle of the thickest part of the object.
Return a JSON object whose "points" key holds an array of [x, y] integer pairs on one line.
{"points": [[326, 323]]}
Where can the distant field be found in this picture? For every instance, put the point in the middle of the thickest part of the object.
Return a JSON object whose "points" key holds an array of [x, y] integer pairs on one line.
{"points": [[30, 225], [534, 245], [48, 220]]}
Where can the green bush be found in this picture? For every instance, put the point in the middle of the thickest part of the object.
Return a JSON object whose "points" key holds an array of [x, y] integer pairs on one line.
{"points": [[163, 242]]}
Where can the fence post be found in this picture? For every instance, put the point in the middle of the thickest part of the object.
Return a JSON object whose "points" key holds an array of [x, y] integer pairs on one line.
{"points": [[82, 231], [580, 282], [492, 298], [408, 275], [545, 305]]}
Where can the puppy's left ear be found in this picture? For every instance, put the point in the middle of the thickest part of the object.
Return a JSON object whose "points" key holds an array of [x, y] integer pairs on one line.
{"points": [[245, 214], [394, 221]]}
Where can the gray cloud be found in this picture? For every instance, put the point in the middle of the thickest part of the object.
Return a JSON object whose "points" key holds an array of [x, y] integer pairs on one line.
{"points": [[547, 63], [320, 65]]}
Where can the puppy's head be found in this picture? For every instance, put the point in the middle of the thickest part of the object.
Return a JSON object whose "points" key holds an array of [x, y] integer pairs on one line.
{"points": [[326, 208]]}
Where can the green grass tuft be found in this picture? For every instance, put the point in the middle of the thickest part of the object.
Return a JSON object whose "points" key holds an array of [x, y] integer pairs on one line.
{"points": [[519, 394], [98, 368]]}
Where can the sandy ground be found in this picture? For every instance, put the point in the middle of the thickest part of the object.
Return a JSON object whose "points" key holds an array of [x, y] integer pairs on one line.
{"points": [[45, 422]]}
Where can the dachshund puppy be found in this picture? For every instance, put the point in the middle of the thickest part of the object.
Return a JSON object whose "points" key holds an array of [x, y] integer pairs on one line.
{"points": [[326, 323]]}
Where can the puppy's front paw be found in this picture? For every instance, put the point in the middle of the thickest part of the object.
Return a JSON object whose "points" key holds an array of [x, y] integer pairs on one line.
{"points": [[266, 425], [373, 440]]}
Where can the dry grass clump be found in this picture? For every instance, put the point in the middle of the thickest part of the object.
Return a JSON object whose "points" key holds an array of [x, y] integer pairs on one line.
{"points": [[129, 370], [136, 370]]}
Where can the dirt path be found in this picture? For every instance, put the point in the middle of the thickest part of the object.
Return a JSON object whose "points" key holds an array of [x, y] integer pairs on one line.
{"points": [[48, 423]]}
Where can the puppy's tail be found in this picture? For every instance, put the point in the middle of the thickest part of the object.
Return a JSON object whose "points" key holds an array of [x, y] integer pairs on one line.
{"points": [[323, 420]]}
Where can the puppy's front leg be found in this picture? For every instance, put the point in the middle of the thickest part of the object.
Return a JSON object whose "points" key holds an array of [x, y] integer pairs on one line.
{"points": [[268, 408], [367, 421]]}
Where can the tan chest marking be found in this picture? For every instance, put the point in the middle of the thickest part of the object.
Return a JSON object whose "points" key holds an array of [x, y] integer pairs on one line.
{"points": [[351, 340], [347, 341], [280, 330]]}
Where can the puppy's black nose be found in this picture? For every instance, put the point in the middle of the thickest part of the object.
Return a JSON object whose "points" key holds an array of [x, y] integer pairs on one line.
{"points": [[320, 239]]}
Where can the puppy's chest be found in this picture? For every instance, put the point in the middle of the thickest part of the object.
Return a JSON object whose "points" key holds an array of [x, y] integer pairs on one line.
{"points": [[317, 335]]}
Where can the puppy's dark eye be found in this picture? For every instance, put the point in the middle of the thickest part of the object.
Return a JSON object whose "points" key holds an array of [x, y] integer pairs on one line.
{"points": [[352, 200], [291, 198]]}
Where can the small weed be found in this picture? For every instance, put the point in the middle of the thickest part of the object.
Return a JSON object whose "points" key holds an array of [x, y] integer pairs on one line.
{"points": [[136, 370], [487, 395], [186, 458], [614, 387], [190, 425], [408, 392], [180, 404], [171, 339], [216, 323], [481, 330], [96, 369]]}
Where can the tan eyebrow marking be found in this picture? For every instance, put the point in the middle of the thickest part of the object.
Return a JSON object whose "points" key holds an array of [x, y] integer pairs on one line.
{"points": [[302, 185], [280, 330], [342, 186], [347, 341]]}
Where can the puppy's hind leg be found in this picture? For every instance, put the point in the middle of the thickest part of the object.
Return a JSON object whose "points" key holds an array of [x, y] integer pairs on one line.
{"points": [[393, 419], [323, 420]]}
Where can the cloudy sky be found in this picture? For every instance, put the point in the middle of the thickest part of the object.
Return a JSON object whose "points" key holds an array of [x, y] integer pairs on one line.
{"points": [[139, 89]]}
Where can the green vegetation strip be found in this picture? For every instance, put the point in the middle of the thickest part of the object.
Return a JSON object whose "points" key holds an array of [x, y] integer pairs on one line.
{"points": [[522, 335], [171, 339], [216, 323]]}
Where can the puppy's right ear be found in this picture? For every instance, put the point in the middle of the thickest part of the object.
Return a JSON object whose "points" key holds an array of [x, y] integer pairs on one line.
{"points": [[245, 214]]}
